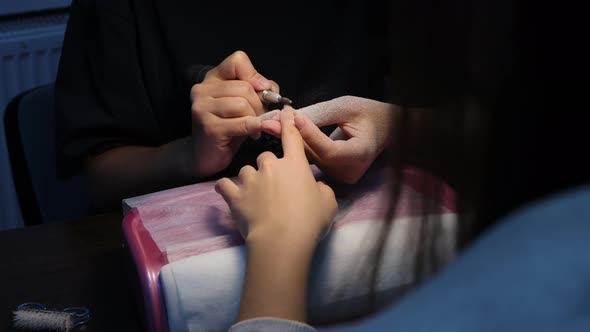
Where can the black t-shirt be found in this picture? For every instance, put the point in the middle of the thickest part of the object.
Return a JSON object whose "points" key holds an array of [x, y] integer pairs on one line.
{"points": [[127, 66]]}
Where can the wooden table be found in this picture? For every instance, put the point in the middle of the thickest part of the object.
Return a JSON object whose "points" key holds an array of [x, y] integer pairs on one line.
{"points": [[78, 263]]}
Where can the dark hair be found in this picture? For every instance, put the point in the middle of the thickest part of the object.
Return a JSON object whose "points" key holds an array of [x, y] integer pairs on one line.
{"points": [[477, 111]]}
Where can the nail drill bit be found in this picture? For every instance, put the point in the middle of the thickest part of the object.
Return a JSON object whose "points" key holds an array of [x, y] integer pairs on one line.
{"points": [[271, 97]]}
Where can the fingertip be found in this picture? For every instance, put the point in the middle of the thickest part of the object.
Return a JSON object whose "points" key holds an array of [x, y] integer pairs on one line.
{"points": [[261, 83], [227, 189], [290, 136], [219, 184], [317, 143], [299, 122], [287, 114], [275, 86]]}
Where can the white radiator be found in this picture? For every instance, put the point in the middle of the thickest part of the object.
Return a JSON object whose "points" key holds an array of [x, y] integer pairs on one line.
{"points": [[29, 54]]}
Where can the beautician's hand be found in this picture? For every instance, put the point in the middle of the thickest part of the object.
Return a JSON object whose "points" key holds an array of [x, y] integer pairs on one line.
{"points": [[281, 198], [363, 129], [225, 107]]}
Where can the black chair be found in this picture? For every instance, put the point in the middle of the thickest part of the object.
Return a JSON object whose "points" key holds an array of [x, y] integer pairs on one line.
{"points": [[30, 136]]}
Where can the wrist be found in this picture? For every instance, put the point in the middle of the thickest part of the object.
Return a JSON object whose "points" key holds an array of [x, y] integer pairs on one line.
{"points": [[181, 156], [275, 284], [299, 252], [301, 242]]}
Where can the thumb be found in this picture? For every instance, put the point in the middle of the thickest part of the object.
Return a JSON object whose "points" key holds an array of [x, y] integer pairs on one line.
{"points": [[318, 142], [243, 126], [274, 86], [238, 66]]}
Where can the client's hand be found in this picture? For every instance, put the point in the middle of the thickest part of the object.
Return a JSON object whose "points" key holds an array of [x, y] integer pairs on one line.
{"points": [[363, 129], [281, 200], [282, 211], [224, 112]]}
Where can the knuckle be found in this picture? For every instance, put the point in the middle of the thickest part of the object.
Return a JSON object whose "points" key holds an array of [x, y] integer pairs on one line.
{"points": [[196, 113], [345, 99], [199, 114], [196, 91], [268, 164], [221, 184], [244, 88], [330, 193], [243, 127], [265, 159], [196, 107], [328, 155], [244, 171], [241, 104], [238, 57]]}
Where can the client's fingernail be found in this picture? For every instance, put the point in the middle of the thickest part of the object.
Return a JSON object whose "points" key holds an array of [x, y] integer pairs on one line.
{"points": [[299, 122]]}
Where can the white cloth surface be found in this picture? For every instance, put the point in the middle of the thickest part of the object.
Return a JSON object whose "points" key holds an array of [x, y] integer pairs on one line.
{"points": [[202, 293]]}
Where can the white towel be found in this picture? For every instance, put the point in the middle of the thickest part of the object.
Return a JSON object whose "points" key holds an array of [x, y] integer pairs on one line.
{"points": [[202, 293]]}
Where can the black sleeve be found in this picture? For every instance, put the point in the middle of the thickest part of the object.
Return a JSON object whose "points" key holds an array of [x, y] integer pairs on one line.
{"points": [[101, 98]]}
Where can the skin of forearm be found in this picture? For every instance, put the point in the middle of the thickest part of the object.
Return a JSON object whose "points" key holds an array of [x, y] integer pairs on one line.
{"points": [[134, 170], [275, 283]]}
